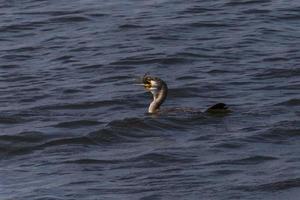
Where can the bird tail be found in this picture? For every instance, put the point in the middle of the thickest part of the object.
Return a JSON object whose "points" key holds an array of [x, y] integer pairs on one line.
{"points": [[218, 108]]}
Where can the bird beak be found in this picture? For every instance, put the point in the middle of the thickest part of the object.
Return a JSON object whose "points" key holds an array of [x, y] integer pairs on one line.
{"points": [[147, 85]]}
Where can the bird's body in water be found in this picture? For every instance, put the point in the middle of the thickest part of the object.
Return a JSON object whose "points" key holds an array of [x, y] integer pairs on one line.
{"points": [[159, 90]]}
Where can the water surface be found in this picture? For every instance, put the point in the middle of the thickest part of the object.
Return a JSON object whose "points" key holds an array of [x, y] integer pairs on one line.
{"points": [[73, 122]]}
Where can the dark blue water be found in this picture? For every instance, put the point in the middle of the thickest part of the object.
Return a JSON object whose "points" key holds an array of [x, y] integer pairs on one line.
{"points": [[73, 122]]}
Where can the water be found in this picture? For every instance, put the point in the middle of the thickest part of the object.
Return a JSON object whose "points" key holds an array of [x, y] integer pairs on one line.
{"points": [[73, 122]]}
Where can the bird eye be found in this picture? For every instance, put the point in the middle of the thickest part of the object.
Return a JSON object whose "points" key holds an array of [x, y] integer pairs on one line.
{"points": [[147, 80]]}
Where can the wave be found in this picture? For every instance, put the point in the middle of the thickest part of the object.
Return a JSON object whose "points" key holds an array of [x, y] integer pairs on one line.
{"points": [[252, 160], [69, 19], [117, 131], [290, 102], [129, 26], [278, 73], [4, 119], [246, 2], [289, 17], [198, 9], [145, 60], [143, 159], [77, 123], [160, 158], [273, 186], [27, 137], [280, 133], [92, 161], [22, 26], [82, 105], [280, 185], [52, 13], [208, 25]]}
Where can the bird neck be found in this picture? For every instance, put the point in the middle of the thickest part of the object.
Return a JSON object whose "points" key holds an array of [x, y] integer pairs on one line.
{"points": [[159, 96]]}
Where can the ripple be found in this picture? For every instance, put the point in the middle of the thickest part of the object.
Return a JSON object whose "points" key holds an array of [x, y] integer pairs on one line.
{"points": [[280, 185], [230, 145], [198, 9], [69, 19], [274, 59], [17, 57], [252, 160], [18, 144], [131, 123], [92, 161], [278, 73], [29, 137], [187, 77], [109, 136], [98, 14], [290, 102], [71, 91], [218, 71], [280, 133], [160, 158], [91, 67], [246, 2], [33, 98], [111, 79], [186, 92], [70, 113], [22, 26], [8, 66], [129, 26], [66, 141], [290, 17], [63, 58], [82, 105], [22, 143], [135, 61], [256, 11], [275, 186], [140, 126], [77, 124], [208, 25], [21, 78], [52, 13], [11, 119]]}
